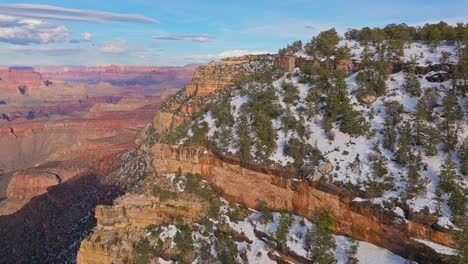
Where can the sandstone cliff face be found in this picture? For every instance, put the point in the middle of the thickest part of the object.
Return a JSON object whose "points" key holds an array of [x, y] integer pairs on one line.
{"points": [[141, 211], [12, 78], [25, 186], [126, 222], [250, 187], [286, 63], [215, 75]]}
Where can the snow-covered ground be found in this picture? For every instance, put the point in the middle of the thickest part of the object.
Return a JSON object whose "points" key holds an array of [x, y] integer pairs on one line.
{"points": [[438, 248], [344, 149]]}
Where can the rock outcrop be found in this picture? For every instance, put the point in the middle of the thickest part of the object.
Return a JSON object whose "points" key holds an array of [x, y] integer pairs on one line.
{"points": [[215, 75], [15, 77], [286, 63], [302, 198], [28, 185], [142, 211], [122, 225]]}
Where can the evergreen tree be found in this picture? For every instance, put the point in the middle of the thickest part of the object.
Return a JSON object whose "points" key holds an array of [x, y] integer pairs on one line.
{"points": [[460, 73], [448, 176], [352, 251], [379, 162], [245, 142], [283, 229], [416, 184], [450, 126], [457, 201], [411, 83], [435, 37], [372, 78], [403, 154], [463, 153], [320, 242], [389, 135], [461, 237], [290, 92]]}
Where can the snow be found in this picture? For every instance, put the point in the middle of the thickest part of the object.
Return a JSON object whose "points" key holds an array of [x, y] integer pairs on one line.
{"points": [[367, 253], [414, 50], [360, 200], [344, 150], [438, 248]]}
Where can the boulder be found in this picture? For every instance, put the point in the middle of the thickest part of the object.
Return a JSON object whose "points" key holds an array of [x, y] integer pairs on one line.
{"points": [[367, 99]]}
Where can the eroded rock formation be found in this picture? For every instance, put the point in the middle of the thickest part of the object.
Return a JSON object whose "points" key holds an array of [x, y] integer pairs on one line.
{"points": [[239, 184], [215, 75]]}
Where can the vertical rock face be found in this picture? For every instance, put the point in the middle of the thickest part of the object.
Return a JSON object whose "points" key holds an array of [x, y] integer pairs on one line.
{"points": [[215, 75], [28, 185], [127, 221], [141, 211], [286, 63], [301, 198], [20, 76]]}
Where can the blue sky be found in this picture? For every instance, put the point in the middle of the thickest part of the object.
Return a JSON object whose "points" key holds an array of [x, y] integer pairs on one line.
{"points": [[174, 32]]}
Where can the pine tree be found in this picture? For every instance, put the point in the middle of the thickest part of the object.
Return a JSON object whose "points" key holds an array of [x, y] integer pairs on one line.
{"points": [[448, 176], [403, 154], [372, 78], [320, 242], [283, 229], [245, 142], [416, 183], [450, 126], [426, 104], [435, 37], [460, 74], [411, 83], [463, 153], [352, 251], [389, 135]]}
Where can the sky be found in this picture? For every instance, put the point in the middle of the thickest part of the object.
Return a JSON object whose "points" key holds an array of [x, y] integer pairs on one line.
{"points": [[175, 32]]}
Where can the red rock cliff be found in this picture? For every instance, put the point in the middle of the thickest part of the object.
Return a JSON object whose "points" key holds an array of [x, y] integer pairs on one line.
{"points": [[251, 187]]}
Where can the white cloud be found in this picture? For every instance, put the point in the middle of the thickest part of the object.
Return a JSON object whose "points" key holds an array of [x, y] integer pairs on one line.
{"points": [[192, 37], [224, 54], [69, 14], [49, 51], [22, 31], [116, 46], [86, 36]]}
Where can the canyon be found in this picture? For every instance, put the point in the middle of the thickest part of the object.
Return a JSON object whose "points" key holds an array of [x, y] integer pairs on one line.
{"points": [[56, 122], [71, 165]]}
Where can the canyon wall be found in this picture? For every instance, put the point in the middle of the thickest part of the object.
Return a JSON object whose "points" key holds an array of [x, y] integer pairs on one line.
{"points": [[252, 188], [215, 75]]}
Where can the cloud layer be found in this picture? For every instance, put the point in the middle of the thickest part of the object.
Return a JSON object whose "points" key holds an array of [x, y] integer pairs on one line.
{"points": [[116, 46], [31, 31], [192, 37], [68, 14]]}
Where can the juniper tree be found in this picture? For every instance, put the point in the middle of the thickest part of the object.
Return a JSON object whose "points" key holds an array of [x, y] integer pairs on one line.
{"points": [[320, 242]]}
